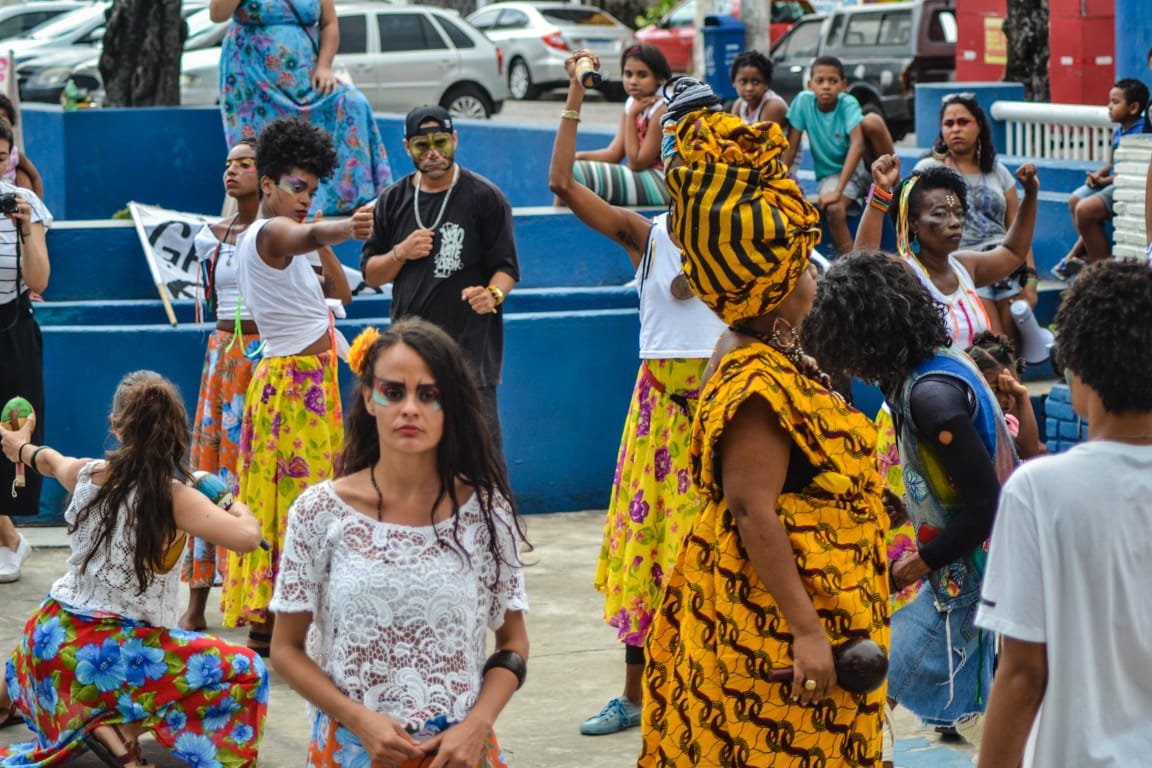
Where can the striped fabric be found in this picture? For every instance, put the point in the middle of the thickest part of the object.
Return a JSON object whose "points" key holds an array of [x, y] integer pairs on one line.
{"points": [[8, 288], [745, 227], [620, 185]]}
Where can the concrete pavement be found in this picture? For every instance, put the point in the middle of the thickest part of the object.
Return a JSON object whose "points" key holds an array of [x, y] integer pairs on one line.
{"points": [[576, 665]]}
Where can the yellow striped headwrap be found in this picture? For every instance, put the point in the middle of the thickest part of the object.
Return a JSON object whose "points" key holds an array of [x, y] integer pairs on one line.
{"points": [[745, 227]]}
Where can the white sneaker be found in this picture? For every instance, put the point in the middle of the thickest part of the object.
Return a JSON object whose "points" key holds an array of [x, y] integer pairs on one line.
{"points": [[10, 561]]}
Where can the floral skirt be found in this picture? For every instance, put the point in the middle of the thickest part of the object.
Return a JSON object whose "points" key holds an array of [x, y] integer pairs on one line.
{"points": [[653, 497], [203, 699], [334, 746], [216, 437], [901, 538], [291, 434]]}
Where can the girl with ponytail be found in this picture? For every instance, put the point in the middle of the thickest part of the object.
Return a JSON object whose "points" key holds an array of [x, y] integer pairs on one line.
{"points": [[106, 630]]}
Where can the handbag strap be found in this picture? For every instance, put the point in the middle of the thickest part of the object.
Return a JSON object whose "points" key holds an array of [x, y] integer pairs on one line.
{"points": [[306, 27]]}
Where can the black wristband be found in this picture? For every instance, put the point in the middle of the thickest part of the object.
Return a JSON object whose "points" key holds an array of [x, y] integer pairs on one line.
{"points": [[20, 452], [511, 661], [35, 453]]}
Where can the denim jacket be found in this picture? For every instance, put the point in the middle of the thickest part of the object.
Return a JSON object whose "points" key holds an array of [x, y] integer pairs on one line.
{"points": [[931, 497]]}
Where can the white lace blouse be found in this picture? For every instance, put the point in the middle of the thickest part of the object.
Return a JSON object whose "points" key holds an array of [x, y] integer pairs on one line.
{"points": [[399, 615], [108, 585]]}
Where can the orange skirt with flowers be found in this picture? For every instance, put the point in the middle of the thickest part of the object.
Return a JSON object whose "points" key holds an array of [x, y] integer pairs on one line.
{"points": [[334, 746]]}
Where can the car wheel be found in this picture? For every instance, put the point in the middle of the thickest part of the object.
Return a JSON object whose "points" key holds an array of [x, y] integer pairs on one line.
{"points": [[520, 84], [467, 101]]}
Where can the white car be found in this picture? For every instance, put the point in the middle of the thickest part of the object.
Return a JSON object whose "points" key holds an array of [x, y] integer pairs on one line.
{"points": [[400, 56], [538, 37], [19, 20]]}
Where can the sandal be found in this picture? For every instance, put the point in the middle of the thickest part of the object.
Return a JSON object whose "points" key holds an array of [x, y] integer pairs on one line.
{"points": [[12, 717], [108, 757], [262, 642]]}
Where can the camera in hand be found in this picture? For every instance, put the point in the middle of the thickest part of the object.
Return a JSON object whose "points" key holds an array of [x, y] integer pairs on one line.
{"points": [[8, 203]]}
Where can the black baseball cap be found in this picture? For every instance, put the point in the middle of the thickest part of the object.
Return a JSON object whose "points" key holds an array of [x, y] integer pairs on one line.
{"points": [[425, 114]]}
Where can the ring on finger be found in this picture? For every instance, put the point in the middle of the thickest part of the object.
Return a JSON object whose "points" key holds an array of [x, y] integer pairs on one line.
{"points": [[809, 685]]}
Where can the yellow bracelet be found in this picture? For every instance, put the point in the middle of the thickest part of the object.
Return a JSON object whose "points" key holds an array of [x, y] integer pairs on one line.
{"points": [[496, 294], [570, 114]]}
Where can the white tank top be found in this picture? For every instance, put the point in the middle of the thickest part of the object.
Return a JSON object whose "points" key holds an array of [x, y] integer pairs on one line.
{"points": [[964, 312], [288, 304], [670, 327], [227, 290], [750, 116]]}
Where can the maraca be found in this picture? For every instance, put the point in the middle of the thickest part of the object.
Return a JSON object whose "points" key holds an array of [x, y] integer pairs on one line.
{"points": [[15, 412], [861, 666], [587, 73], [218, 493]]}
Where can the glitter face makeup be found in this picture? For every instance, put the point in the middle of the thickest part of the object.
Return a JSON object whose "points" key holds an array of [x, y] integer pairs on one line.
{"points": [[291, 184], [243, 164], [388, 393], [439, 141]]}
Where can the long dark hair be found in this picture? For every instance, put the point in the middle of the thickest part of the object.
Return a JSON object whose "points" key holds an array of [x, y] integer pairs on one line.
{"points": [[985, 149], [466, 452], [149, 419], [652, 57]]}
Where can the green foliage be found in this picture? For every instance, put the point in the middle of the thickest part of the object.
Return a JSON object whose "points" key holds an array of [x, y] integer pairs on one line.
{"points": [[655, 12]]}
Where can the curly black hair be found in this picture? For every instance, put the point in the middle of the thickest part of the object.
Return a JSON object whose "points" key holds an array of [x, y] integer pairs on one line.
{"points": [[999, 349], [873, 319], [1104, 333], [985, 149], [292, 142], [937, 177], [753, 59]]}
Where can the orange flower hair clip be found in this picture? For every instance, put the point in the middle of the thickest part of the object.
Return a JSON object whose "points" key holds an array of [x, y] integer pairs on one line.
{"points": [[358, 354]]}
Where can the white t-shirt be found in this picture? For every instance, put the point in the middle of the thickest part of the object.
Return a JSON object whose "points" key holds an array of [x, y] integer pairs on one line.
{"points": [[1068, 567], [670, 327], [399, 617]]}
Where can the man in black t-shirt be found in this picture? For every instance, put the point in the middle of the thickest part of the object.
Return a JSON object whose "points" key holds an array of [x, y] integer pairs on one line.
{"points": [[443, 237]]}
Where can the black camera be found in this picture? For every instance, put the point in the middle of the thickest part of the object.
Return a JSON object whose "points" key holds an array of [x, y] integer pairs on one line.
{"points": [[8, 203]]}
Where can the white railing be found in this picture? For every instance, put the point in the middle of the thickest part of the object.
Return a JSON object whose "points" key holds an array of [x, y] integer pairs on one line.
{"points": [[1055, 131]]}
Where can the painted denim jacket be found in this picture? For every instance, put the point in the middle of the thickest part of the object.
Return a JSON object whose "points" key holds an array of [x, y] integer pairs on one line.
{"points": [[929, 493]]}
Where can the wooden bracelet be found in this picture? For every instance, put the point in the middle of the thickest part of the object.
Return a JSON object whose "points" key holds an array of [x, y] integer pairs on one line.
{"points": [[511, 661]]}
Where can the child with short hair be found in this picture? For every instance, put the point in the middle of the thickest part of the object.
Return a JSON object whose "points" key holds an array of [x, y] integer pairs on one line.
{"points": [[19, 170], [1091, 204], [844, 143], [752, 79]]}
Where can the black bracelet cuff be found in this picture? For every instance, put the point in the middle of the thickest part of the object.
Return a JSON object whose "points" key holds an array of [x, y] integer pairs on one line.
{"points": [[511, 661], [35, 453], [20, 452]]}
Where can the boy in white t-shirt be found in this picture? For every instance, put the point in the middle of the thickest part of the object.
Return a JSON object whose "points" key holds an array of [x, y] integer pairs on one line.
{"points": [[1066, 583]]}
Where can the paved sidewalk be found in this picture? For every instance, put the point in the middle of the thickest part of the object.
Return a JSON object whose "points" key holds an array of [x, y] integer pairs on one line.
{"points": [[576, 665]]}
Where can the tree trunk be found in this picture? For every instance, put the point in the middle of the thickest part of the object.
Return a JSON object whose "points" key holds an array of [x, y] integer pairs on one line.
{"points": [[1026, 29], [140, 63]]}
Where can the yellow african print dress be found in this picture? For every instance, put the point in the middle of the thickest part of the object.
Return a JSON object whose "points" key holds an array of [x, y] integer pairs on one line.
{"points": [[707, 698]]}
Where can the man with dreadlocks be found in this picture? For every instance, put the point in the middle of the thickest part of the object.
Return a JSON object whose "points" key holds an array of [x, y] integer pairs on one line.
{"points": [[786, 557]]}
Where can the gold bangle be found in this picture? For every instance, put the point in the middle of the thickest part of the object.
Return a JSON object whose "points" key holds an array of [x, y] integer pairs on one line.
{"points": [[496, 294], [570, 114]]}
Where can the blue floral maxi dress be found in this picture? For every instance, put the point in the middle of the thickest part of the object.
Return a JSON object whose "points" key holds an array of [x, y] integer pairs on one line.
{"points": [[266, 67]]}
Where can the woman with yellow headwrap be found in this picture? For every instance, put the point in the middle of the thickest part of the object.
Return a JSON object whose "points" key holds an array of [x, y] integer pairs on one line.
{"points": [[786, 558]]}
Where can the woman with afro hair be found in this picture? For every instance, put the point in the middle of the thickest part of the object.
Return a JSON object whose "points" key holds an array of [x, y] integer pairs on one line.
{"points": [[871, 318], [291, 429]]}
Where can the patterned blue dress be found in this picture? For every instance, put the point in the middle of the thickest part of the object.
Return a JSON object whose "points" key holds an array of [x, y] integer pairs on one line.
{"points": [[266, 67]]}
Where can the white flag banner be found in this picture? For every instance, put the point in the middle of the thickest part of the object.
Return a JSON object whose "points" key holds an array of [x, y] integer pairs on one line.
{"points": [[167, 238]]}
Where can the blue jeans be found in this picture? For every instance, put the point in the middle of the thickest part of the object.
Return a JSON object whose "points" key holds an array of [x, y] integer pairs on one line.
{"points": [[920, 677]]}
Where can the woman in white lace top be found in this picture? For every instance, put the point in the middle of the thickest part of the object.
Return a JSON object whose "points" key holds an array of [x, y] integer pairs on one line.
{"points": [[392, 575], [101, 661]]}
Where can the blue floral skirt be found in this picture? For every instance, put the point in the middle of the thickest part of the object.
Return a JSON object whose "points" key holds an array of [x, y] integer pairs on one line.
{"points": [[203, 699]]}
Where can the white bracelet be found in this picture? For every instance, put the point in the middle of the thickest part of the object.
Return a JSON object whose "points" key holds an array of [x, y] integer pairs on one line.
{"points": [[396, 256]]}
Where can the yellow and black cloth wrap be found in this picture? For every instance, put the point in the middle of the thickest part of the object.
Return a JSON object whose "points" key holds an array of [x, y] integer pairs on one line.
{"points": [[744, 226]]}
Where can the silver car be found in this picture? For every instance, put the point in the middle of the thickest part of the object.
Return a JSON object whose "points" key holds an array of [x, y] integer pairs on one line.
{"points": [[537, 37], [400, 56]]}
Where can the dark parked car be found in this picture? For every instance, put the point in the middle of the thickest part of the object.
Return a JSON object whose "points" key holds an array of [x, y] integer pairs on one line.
{"points": [[886, 49]]}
